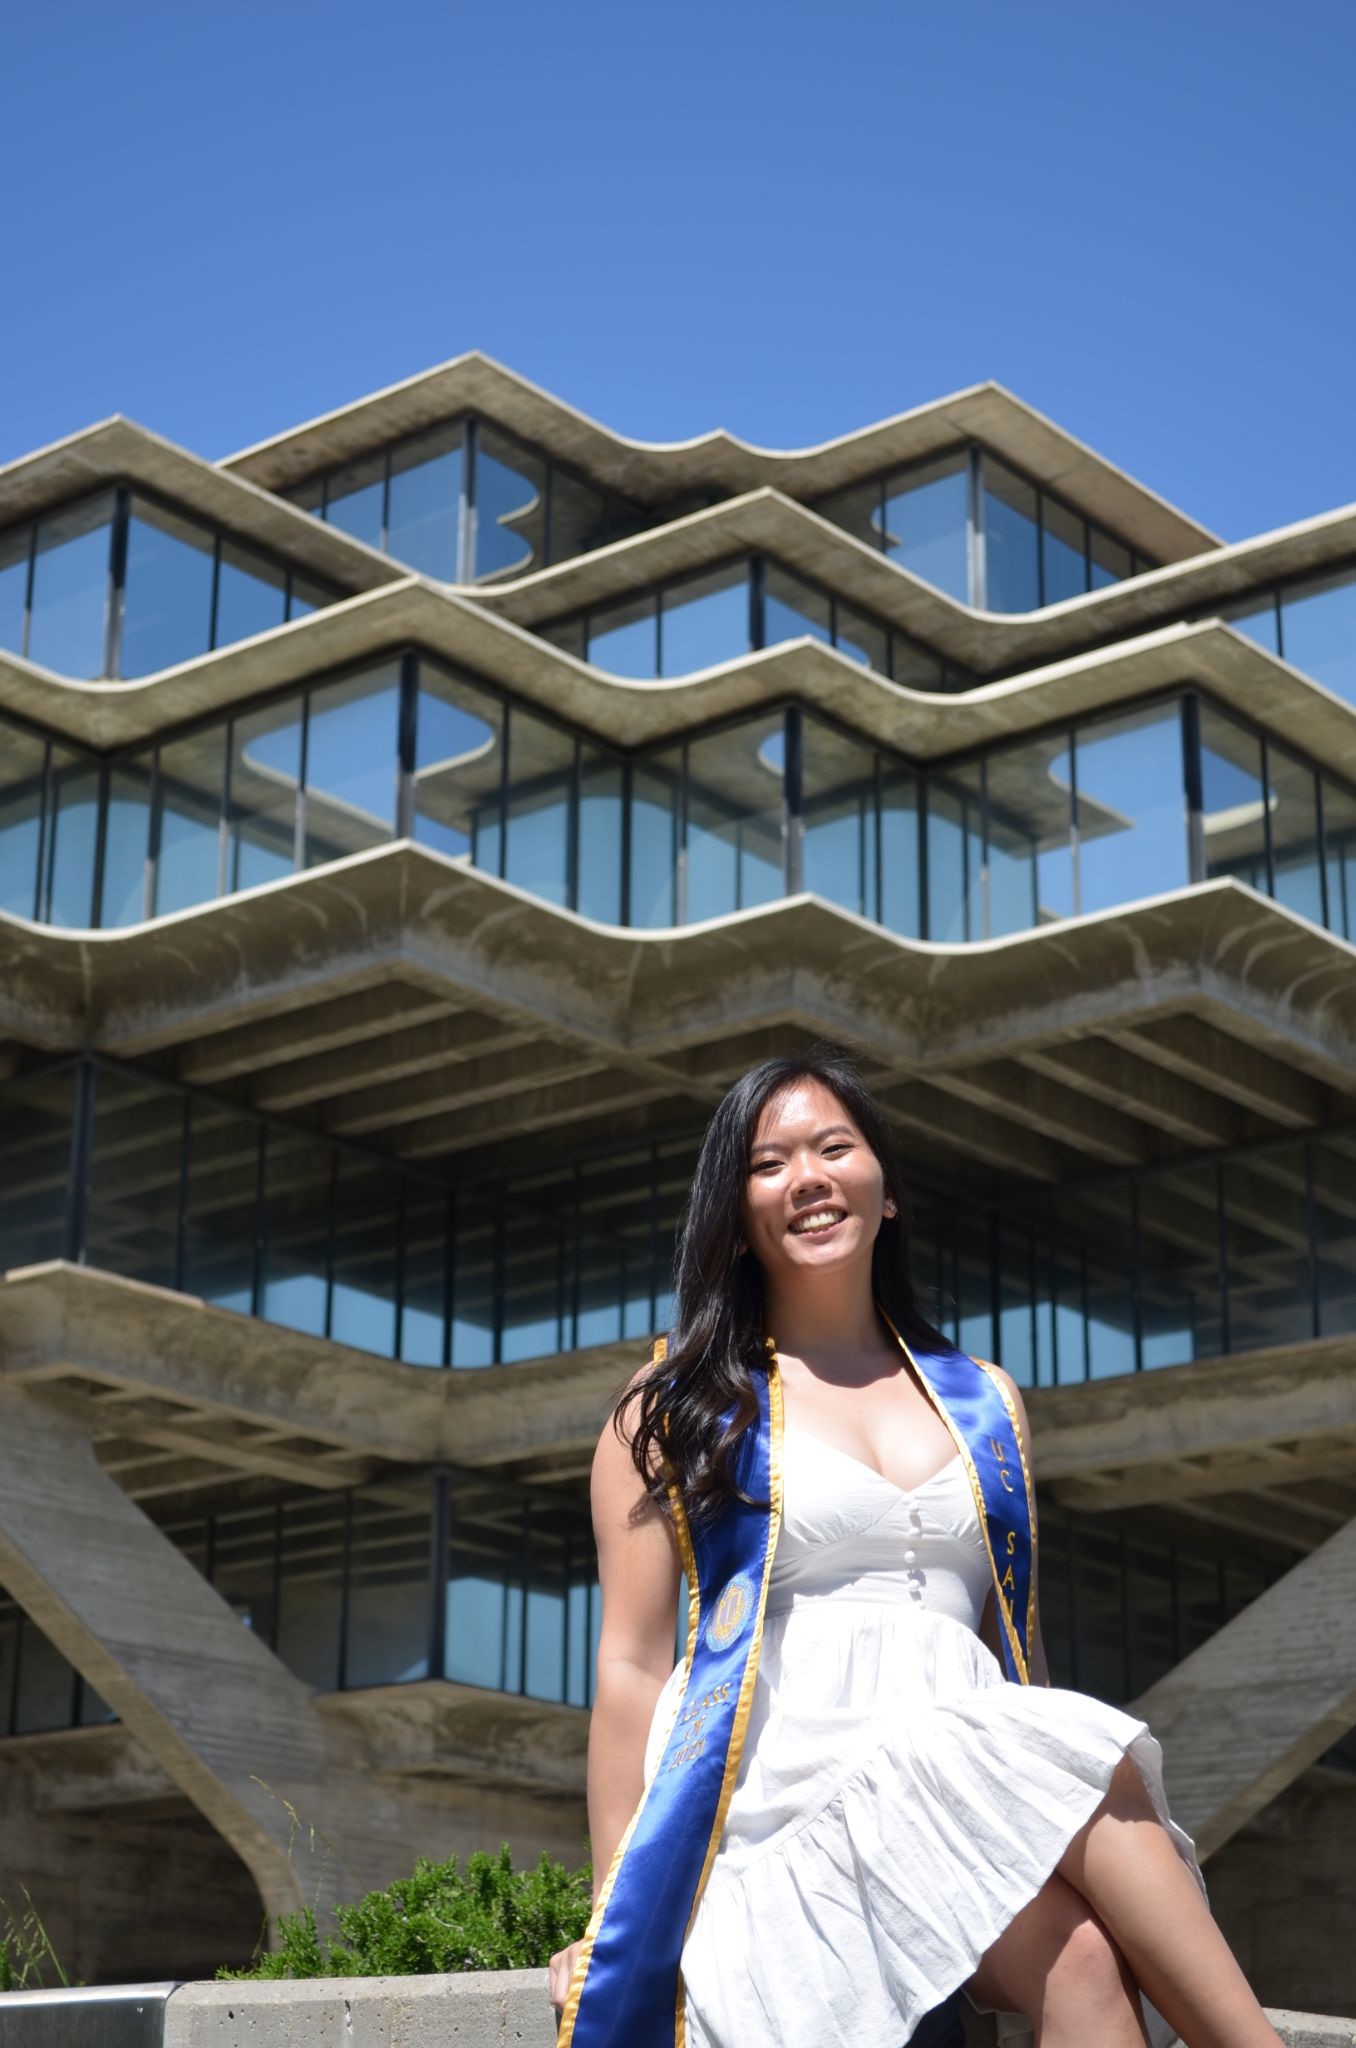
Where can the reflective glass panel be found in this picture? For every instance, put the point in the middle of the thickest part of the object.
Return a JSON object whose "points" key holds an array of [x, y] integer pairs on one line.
{"points": [[192, 774], [73, 828], [366, 1255], [1017, 1306], [734, 819], [221, 1206], [355, 499], [423, 516], [926, 524], [857, 511], [22, 758], [389, 1596], [1132, 825], [46, 1684], [1339, 839], [600, 837], [424, 1287], [1011, 541], [1297, 878], [310, 1579], [534, 1321], [35, 1165], [251, 595], [955, 856], [1318, 632], [510, 515], [655, 812], [1063, 563], [459, 763], [540, 794], [70, 589], [860, 640], [1179, 1266], [127, 839], [351, 758], [296, 1230], [839, 796], [624, 638], [704, 621], [242, 1567], [899, 906], [791, 609], [475, 1235], [1260, 622], [1232, 801], [132, 1222], [265, 779], [1030, 853], [167, 602], [1109, 561], [14, 552], [1267, 1250]]}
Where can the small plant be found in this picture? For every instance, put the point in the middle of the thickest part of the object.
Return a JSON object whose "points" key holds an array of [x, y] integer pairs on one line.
{"points": [[487, 1917], [28, 1961]]}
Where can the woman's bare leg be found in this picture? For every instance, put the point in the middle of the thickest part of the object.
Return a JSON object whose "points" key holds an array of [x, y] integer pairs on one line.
{"points": [[1056, 1963], [1124, 1864]]}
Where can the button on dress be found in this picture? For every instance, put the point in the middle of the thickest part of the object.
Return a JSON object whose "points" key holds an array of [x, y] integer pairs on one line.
{"points": [[898, 1800]]}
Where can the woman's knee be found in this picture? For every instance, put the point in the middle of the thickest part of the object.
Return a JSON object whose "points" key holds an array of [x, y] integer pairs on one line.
{"points": [[1055, 1949], [1088, 1967]]}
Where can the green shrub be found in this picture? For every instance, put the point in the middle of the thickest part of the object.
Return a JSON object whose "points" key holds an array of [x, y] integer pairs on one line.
{"points": [[489, 1917]]}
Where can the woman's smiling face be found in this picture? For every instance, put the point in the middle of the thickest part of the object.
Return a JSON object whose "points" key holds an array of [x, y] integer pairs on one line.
{"points": [[815, 1193]]}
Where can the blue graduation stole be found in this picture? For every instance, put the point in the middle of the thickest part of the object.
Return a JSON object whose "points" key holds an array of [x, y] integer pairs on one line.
{"points": [[627, 1987]]}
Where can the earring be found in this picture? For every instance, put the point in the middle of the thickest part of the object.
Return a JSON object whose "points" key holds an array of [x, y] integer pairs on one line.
{"points": [[889, 1207]]}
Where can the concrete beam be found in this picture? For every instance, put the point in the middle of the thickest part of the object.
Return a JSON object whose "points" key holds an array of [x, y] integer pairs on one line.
{"points": [[1240, 1073], [1065, 1114], [310, 1031], [1244, 1715], [1187, 1110]]}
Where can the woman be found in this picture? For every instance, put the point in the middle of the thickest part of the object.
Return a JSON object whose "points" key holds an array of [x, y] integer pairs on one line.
{"points": [[835, 1813]]}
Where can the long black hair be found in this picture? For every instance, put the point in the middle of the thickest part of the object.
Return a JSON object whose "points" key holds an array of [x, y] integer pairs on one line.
{"points": [[717, 1345]]}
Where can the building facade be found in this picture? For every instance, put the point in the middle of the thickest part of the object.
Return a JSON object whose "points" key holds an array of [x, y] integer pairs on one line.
{"points": [[408, 827]]}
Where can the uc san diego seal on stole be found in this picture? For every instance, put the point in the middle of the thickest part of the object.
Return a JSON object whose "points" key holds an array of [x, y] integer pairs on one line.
{"points": [[732, 1612]]}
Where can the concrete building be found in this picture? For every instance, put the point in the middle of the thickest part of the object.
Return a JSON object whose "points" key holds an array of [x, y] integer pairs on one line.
{"points": [[408, 827]]}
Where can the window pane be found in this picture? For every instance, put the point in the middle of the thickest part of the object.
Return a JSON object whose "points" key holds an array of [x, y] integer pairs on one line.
{"points": [[127, 844], [296, 1230], [654, 841], [839, 795], [242, 1567], [1267, 1250], [474, 1282], [624, 638], [265, 777], [1179, 1266], [1339, 838], [35, 1164], [1062, 560], [955, 857], [366, 1255], [425, 505], [309, 1582], [21, 798], [14, 551], [1110, 561], [734, 819], [70, 590], [1233, 810], [351, 764], [1132, 830], [541, 789], [1260, 622], [221, 1206], [1010, 541], [459, 765], [74, 823], [354, 499], [1030, 853], [856, 510], [192, 772], [600, 820], [915, 668], [578, 517], [389, 1595], [900, 908], [46, 1691], [862, 641], [926, 524], [167, 603], [1296, 870], [535, 1251], [1334, 1184], [424, 1292], [251, 595], [791, 609], [134, 1181], [510, 519], [705, 621], [1318, 632]]}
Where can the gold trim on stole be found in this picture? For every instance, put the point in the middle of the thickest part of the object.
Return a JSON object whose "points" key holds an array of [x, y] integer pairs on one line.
{"points": [[958, 1438], [1029, 1483]]}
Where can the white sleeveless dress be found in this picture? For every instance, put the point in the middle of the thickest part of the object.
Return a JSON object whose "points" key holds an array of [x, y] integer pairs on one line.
{"points": [[898, 1800]]}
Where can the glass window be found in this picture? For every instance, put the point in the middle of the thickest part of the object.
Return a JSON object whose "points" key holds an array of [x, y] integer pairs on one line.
{"points": [[955, 856], [1063, 562], [1179, 1266], [1011, 541], [189, 792], [1132, 829], [45, 1696], [265, 779], [1333, 1166], [474, 1305], [578, 517], [839, 797], [73, 829], [221, 1210], [899, 908], [310, 1578], [356, 499], [1109, 561], [132, 1222], [1297, 878], [351, 760], [1017, 1306], [459, 764], [424, 1277], [1030, 855], [857, 510], [14, 552], [541, 790], [704, 621], [915, 669], [1318, 632], [70, 589], [127, 841], [1260, 622], [167, 602], [1233, 818], [624, 638], [600, 837], [423, 519], [35, 1152], [1339, 839], [366, 1255], [655, 811], [242, 1567], [926, 524], [296, 1230], [1267, 1250], [510, 515], [251, 595], [306, 597], [791, 609], [535, 1250], [22, 764], [734, 819], [389, 1597], [862, 641]]}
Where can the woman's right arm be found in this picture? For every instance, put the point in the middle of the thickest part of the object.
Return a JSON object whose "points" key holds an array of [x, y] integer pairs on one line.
{"points": [[639, 1571]]}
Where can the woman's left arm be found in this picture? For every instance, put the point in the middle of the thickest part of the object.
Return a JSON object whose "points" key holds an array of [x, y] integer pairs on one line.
{"points": [[1040, 1669]]}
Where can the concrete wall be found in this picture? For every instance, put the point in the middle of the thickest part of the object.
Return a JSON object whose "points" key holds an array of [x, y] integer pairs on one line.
{"points": [[1284, 1892]]}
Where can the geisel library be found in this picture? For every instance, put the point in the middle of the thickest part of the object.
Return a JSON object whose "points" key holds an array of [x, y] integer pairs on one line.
{"points": [[408, 827]]}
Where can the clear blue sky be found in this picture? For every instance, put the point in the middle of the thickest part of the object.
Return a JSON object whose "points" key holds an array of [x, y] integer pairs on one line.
{"points": [[787, 219]]}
